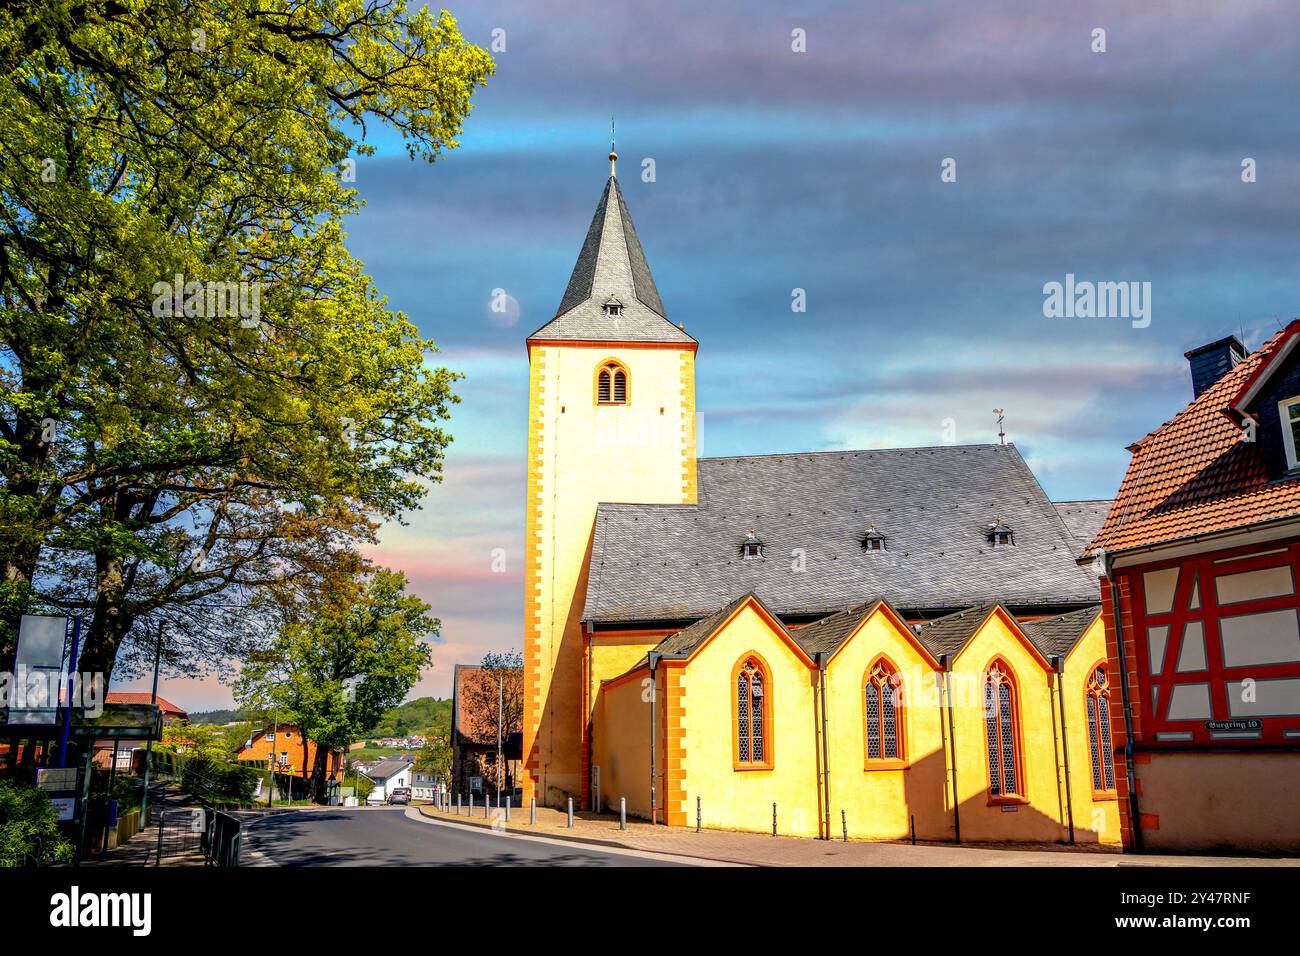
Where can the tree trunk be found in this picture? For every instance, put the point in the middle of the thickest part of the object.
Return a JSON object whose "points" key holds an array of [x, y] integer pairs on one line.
{"points": [[318, 773]]}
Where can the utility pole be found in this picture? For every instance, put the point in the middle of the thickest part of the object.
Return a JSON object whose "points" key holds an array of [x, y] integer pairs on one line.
{"points": [[148, 747], [501, 694], [275, 741]]}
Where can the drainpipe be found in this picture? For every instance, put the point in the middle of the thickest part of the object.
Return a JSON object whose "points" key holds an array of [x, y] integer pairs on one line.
{"points": [[822, 659], [652, 659], [1130, 774], [946, 663], [1058, 663]]}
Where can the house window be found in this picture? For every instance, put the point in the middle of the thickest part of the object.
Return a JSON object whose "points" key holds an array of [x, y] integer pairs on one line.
{"points": [[1000, 535], [613, 306], [883, 711], [1289, 412], [751, 547], [1001, 734], [873, 540], [753, 723], [611, 384], [1099, 742]]}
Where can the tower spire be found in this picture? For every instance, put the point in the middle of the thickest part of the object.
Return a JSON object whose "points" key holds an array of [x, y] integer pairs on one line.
{"points": [[613, 156]]}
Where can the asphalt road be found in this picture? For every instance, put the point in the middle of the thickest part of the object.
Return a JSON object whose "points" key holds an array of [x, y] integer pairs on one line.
{"points": [[386, 837]]}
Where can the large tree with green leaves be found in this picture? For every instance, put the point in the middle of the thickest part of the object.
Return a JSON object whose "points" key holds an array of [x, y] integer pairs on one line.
{"points": [[340, 661], [166, 451]]}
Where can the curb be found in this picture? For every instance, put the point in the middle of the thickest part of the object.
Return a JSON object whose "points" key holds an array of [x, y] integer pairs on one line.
{"points": [[589, 841]]}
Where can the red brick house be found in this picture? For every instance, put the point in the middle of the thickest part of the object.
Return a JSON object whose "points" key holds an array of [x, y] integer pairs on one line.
{"points": [[1200, 559]]}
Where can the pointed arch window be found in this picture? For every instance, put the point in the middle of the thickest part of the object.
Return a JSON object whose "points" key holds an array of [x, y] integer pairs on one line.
{"points": [[752, 693], [1099, 739], [1002, 735], [611, 384], [883, 715]]}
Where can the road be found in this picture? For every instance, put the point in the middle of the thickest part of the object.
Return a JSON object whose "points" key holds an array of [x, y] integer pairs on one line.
{"points": [[388, 837]]}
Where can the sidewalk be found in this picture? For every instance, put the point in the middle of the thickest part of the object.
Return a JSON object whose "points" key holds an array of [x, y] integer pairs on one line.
{"points": [[176, 845], [755, 849]]}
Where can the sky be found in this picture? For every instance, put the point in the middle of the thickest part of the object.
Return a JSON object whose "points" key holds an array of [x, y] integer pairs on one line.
{"points": [[777, 169]]}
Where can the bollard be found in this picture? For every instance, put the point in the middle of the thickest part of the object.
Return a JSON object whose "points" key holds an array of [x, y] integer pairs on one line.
{"points": [[458, 803], [485, 806], [697, 815], [773, 819], [507, 809], [622, 813], [532, 810], [844, 825], [913, 819], [570, 813]]}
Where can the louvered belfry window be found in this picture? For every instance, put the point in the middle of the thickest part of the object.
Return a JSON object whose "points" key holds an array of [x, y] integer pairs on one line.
{"points": [[884, 713], [1001, 732], [611, 385], [1099, 739], [751, 714]]}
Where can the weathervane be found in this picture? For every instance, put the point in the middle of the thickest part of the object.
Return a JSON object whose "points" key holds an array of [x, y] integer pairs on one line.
{"points": [[613, 156], [1002, 435]]}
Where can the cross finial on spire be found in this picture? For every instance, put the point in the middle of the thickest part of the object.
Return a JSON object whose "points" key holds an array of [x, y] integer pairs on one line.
{"points": [[613, 156]]}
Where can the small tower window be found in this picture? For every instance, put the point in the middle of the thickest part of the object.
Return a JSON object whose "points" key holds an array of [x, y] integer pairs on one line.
{"points": [[873, 540], [1000, 535], [611, 384], [613, 306], [752, 547]]}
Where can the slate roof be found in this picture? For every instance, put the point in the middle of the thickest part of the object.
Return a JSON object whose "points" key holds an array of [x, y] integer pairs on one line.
{"points": [[1194, 475], [387, 768], [1056, 636], [681, 562], [950, 633], [1083, 519], [611, 263], [825, 635]]}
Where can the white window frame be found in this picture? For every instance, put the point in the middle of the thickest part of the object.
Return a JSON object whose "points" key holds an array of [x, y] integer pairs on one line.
{"points": [[1288, 439]]}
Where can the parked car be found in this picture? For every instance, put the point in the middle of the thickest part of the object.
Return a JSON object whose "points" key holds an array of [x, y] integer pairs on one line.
{"points": [[399, 795]]}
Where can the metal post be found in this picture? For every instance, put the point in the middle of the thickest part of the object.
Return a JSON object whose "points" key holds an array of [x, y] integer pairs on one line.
{"points": [[773, 819], [485, 806], [471, 804], [570, 813], [507, 808], [622, 813], [501, 692], [698, 814], [844, 825], [148, 747], [532, 810], [458, 803], [275, 740], [67, 709], [913, 819]]}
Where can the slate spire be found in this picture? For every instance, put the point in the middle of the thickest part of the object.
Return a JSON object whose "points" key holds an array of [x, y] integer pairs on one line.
{"points": [[612, 264]]}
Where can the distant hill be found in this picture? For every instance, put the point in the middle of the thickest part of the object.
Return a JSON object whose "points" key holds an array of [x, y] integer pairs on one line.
{"points": [[218, 716], [424, 715]]}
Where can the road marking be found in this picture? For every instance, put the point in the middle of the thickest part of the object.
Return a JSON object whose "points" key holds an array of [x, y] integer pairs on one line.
{"points": [[414, 814]]}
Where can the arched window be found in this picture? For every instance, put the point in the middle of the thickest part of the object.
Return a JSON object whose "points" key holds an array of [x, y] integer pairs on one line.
{"points": [[883, 713], [753, 723], [1099, 742], [611, 384], [1002, 733]]}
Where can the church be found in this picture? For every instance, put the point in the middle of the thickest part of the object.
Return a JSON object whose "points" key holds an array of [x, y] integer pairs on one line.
{"points": [[880, 644]]}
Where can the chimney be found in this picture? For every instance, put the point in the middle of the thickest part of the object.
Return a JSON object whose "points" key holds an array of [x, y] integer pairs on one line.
{"points": [[1209, 363]]}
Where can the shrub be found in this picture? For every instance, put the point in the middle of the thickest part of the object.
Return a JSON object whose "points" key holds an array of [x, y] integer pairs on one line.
{"points": [[29, 827]]}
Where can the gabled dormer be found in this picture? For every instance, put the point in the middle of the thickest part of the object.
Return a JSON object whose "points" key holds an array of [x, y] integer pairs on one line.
{"points": [[1267, 406]]}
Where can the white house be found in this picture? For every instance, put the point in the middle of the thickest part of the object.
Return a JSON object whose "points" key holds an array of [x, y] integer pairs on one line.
{"points": [[423, 786], [388, 775]]}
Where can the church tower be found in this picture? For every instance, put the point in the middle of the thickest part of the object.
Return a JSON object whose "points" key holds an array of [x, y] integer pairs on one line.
{"points": [[611, 418]]}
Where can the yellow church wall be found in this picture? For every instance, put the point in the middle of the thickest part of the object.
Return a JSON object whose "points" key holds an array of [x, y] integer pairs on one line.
{"points": [[742, 799], [878, 804], [621, 744], [1039, 817], [1096, 820], [580, 454]]}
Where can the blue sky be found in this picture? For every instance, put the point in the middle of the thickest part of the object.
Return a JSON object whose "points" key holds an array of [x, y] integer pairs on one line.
{"points": [[820, 170]]}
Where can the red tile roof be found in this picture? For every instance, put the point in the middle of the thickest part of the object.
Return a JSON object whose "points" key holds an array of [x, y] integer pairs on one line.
{"points": [[168, 708], [1194, 475]]}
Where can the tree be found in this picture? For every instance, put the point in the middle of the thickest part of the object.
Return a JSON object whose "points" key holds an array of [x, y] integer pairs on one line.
{"points": [[435, 758], [339, 662], [167, 445], [493, 700]]}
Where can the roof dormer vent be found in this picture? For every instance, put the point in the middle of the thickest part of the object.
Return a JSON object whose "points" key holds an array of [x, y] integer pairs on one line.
{"points": [[613, 306], [1000, 535], [873, 540], [751, 547]]}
